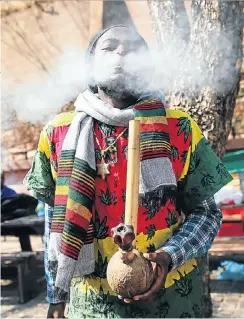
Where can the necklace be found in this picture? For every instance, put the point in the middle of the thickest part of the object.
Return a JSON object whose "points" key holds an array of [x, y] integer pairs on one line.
{"points": [[103, 168]]}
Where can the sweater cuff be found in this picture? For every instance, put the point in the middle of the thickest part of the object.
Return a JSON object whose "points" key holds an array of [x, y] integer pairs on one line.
{"points": [[177, 255]]}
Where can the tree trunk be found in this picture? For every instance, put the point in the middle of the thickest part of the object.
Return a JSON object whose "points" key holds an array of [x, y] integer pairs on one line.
{"points": [[207, 52]]}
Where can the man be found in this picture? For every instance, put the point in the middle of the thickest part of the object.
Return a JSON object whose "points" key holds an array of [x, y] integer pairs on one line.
{"points": [[6, 192], [80, 170]]}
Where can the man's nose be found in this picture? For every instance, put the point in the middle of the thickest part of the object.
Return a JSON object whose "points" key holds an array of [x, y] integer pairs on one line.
{"points": [[121, 50]]}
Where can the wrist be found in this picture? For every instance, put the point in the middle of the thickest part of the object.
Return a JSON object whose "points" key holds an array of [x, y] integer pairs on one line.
{"points": [[165, 258]]}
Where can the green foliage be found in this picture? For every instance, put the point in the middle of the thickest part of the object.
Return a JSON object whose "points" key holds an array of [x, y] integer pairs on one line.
{"points": [[184, 285], [185, 127], [150, 231], [100, 228]]}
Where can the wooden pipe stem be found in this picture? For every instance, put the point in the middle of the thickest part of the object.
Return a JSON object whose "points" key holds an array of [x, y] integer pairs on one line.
{"points": [[133, 173]]}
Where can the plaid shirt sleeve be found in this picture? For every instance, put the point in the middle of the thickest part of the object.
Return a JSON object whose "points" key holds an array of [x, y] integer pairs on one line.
{"points": [[196, 235], [49, 276]]}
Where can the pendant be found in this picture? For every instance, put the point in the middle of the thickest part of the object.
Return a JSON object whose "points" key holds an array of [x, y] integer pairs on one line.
{"points": [[103, 169], [103, 153]]}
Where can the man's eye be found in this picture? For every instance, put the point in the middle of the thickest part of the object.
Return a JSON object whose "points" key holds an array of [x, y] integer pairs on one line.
{"points": [[108, 48]]}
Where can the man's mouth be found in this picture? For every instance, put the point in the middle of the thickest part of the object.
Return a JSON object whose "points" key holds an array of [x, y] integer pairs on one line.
{"points": [[119, 69]]}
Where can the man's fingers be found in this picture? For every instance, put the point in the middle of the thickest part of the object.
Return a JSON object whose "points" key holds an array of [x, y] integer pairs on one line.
{"points": [[126, 300], [144, 296], [150, 256], [148, 294], [159, 282], [154, 267]]}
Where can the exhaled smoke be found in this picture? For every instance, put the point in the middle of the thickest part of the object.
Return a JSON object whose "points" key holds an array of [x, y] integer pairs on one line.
{"points": [[39, 100]]}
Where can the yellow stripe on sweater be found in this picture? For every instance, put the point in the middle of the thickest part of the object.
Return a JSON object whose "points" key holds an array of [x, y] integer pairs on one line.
{"points": [[79, 178], [67, 241], [72, 239], [79, 209], [62, 190], [148, 101], [83, 177], [58, 219], [155, 142], [152, 120], [65, 163], [64, 118]]}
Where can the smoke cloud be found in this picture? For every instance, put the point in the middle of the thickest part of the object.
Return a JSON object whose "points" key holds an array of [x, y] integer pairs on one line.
{"points": [[40, 100]]}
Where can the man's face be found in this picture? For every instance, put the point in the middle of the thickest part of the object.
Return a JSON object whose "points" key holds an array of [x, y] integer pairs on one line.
{"points": [[121, 63]]}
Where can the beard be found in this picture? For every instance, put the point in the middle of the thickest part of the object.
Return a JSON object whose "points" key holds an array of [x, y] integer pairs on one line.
{"points": [[121, 86], [117, 94], [118, 89]]}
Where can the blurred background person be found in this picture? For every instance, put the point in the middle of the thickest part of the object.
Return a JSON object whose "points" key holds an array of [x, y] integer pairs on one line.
{"points": [[6, 191]]}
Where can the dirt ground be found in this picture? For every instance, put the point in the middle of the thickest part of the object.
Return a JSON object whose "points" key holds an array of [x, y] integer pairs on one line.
{"points": [[227, 296]]}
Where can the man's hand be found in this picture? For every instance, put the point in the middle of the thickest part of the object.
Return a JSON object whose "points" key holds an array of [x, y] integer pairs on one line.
{"points": [[160, 262], [56, 310]]}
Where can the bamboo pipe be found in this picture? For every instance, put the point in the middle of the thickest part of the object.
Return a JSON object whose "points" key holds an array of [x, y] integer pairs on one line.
{"points": [[132, 179]]}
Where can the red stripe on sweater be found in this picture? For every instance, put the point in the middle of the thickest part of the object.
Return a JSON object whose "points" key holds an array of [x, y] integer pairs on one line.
{"points": [[155, 150], [77, 219], [61, 199], [161, 153], [82, 188], [69, 250], [70, 247], [154, 127], [150, 106], [64, 172], [57, 228], [145, 157]]}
